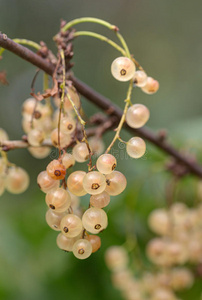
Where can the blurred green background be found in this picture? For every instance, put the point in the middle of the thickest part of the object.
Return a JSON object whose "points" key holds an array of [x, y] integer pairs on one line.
{"points": [[165, 37]]}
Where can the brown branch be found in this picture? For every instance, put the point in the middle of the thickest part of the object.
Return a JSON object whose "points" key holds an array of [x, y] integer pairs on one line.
{"points": [[103, 103]]}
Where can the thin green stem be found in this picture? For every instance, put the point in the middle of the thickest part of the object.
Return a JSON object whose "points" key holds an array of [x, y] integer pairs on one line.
{"points": [[123, 42], [102, 38], [88, 20], [24, 42], [118, 129], [101, 22]]}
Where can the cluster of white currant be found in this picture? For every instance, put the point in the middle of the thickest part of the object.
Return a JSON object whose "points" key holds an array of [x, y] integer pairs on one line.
{"points": [[61, 216], [155, 285], [180, 238], [124, 69], [12, 178]]}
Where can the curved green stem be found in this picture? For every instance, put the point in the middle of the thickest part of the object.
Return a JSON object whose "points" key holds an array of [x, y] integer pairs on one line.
{"points": [[123, 42], [102, 38], [101, 22], [118, 129], [24, 42], [89, 20]]}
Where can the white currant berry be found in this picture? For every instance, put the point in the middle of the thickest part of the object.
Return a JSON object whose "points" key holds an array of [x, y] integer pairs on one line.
{"points": [[95, 220], [46, 183], [65, 139], [140, 78], [29, 106], [53, 219], [116, 258], [68, 125], [82, 249], [136, 147], [58, 200], [39, 152], [65, 243], [71, 225], [106, 163], [17, 180], [75, 183], [95, 242], [56, 170], [116, 183], [160, 222], [151, 86], [94, 183], [123, 68], [97, 145], [80, 152], [181, 278], [68, 160], [137, 115], [75, 201], [100, 200]]}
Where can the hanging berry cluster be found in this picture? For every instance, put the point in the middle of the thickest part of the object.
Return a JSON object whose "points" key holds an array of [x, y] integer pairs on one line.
{"points": [[64, 127]]}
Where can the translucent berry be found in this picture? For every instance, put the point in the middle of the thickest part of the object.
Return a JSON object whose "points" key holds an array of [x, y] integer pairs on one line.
{"points": [[75, 183], [116, 183], [123, 68], [100, 200], [68, 160], [75, 201], [106, 163], [17, 180], [156, 251], [39, 152], [58, 200], [140, 78], [82, 249], [28, 123], [97, 145], [71, 225], [56, 170], [65, 139], [95, 220], [53, 219], [80, 152], [46, 183], [136, 147], [95, 242], [66, 243], [29, 106], [137, 115], [67, 125], [94, 183], [160, 222], [181, 278], [47, 126], [116, 258], [151, 86]]}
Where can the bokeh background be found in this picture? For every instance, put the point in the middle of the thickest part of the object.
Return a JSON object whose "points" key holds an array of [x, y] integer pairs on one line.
{"points": [[165, 37]]}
